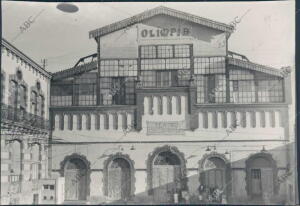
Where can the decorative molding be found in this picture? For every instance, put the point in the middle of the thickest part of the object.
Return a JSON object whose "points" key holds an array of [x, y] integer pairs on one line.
{"points": [[12, 49], [106, 163]]}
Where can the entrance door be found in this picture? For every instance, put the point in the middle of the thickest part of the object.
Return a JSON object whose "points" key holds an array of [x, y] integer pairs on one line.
{"points": [[75, 180], [256, 185], [166, 177], [119, 180], [35, 199]]}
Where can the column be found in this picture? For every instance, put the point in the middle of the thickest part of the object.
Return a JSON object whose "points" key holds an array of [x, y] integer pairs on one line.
{"points": [[258, 119], [174, 105], [209, 120], [146, 105], [120, 122], [229, 116], [110, 121], [239, 119], [75, 122], [102, 119], [268, 119], [277, 118], [129, 121], [183, 105], [165, 105], [56, 118], [220, 119], [248, 120], [201, 120], [155, 105], [84, 122], [93, 121], [66, 122]]}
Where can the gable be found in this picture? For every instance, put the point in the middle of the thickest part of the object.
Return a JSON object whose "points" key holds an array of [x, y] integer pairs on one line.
{"points": [[157, 11]]}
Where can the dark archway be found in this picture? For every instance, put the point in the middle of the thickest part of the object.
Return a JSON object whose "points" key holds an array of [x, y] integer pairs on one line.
{"points": [[118, 177], [166, 173], [215, 172], [76, 170], [261, 176]]}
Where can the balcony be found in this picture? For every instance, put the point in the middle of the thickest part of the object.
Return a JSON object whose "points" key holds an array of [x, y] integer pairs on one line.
{"points": [[12, 115]]}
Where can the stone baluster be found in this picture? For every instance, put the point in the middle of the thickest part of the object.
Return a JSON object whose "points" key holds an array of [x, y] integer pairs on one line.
{"points": [[220, 120], [165, 105], [277, 118], [210, 120], [57, 122], [229, 116], [248, 120], [102, 121], [268, 120], [120, 122], [111, 121], [155, 105], [146, 105], [174, 105], [84, 122], [201, 120], [183, 105], [93, 121], [130, 121], [258, 119]]}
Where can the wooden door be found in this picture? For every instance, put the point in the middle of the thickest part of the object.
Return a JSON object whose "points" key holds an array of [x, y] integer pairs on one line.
{"points": [[214, 178], [164, 182], [114, 183], [75, 186]]}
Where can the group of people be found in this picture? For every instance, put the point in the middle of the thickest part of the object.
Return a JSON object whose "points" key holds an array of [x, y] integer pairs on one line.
{"points": [[211, 194]]}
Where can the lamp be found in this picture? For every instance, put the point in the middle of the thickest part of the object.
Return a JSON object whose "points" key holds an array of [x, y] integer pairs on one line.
{"points": [[132, 147], [207, 149], [227, 153], [263, 149]]}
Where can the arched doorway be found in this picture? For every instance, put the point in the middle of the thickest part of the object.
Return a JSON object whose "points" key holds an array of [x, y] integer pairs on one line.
{"points": [[261, 176], [119, 179], [215, 173], [166, 174], [75, 173]]}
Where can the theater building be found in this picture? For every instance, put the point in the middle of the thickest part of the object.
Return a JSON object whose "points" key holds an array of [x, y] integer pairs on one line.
{"points": [[25, 98], [163, 107]]}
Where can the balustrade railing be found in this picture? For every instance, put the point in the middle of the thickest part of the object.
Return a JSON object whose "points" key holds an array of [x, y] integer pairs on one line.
{"points": [[9, 113]]}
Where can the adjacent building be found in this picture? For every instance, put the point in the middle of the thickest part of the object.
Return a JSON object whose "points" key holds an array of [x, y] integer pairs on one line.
{"points": [[166, 113], [25, 89]]}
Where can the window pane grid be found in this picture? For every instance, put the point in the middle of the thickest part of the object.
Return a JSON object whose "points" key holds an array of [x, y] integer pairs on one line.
{"points": [[115, 68], [209, 65]]}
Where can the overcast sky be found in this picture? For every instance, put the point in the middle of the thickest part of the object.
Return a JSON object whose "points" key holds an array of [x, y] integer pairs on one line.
{"points": [[265, 34]]}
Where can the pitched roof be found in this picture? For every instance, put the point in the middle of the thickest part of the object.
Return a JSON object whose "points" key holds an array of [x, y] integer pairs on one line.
{"points": [[157, 11], [254, 66], [74, 71]]}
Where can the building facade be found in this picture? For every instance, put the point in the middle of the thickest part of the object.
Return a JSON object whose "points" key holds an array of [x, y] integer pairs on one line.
{"points": [[167, 114], [25, 89]]}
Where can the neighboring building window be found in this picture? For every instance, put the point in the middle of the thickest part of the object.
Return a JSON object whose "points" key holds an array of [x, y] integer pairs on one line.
{"points": [[242, 87], [14, 93], [34, 102], [36, 161], [16, 162], [22, 96]]}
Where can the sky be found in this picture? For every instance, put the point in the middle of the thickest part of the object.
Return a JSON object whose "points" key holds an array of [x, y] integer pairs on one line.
{"points": [[266, 33]]}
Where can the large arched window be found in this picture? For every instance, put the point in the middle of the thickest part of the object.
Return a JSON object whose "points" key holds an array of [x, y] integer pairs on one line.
{"points": [[18, 91], [37, 100]]}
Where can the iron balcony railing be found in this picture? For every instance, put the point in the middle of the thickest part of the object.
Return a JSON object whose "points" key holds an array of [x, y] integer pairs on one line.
{"points": [[15, 115]]}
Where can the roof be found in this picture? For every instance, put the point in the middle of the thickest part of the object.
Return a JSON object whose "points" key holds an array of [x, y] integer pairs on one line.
{"points": [[254, 66], [23, 56], [157, 11], [74, 70]]}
